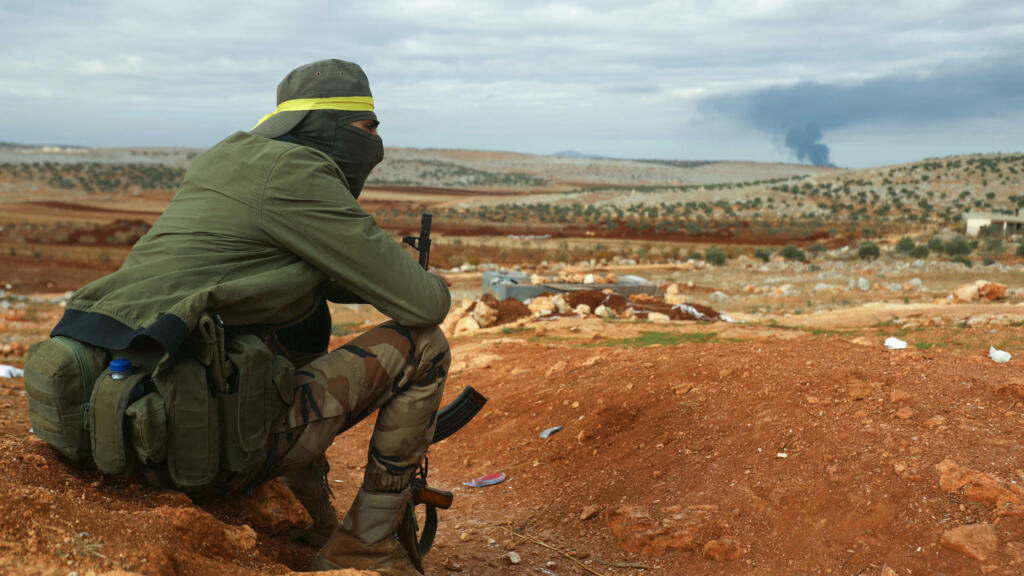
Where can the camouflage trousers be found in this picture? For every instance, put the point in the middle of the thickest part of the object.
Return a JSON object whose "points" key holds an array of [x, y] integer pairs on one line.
{"points": [[393, 369]]}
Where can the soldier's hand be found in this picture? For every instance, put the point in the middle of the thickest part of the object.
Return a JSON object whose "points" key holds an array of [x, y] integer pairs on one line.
{"points": [[443, 278]]}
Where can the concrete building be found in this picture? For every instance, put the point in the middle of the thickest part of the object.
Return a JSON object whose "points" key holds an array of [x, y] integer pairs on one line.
{"points": [[1009, 223]]}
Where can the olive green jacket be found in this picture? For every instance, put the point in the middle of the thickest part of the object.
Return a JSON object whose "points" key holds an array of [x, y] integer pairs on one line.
{"points": [[257, 233]]}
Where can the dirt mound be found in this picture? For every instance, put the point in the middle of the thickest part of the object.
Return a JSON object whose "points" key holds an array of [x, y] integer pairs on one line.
{"points": [[685, 448]]}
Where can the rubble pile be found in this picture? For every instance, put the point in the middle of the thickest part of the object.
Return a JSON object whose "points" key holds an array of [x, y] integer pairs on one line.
{"points": [[488, 311], [609, 278], [979, 290]]}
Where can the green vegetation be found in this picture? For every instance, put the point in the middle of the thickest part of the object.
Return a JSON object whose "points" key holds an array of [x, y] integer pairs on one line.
{"points": [[651, 338], [715, 255], [96, 176], [793, 253], [920, 251], [868, 251], [905, 245], [345, 328]]}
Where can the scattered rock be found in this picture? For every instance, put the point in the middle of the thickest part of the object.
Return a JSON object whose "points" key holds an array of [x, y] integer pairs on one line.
{"points": [[977, 290], [513, 557], [976, 541], [863, 285], [602, 311], [935, 421], [658, 317], [196, 529], [561, 306], [452, 564], [273, 508], [637, 530], [719, 297], [589, 512], [905, 413], [886, 571], [859, 390], [992, 291], [466, 324], [582, 310], [541, 306], [723, 550], [977, 486], [484, 315], [555, 369], [897, 396]]}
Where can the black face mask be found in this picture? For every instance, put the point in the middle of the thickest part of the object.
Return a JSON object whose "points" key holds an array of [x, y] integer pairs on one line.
{"points": [[356, 152]]}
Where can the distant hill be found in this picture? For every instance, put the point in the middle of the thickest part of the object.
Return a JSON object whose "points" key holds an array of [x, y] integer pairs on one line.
{"points": [[575, 154]]}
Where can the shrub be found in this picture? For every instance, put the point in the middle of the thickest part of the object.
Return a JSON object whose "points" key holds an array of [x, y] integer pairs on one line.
{"points": [[1020, 249], [994, 246], [715, 255], [868, 251], [958, 246], [935, 244], [793, 253], [766, 255], [920, 251], [905, 245], [961, 259], [817, 249]]}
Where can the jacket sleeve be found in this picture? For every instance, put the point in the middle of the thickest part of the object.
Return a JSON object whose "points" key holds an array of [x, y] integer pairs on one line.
{"points": [[307, 209]]}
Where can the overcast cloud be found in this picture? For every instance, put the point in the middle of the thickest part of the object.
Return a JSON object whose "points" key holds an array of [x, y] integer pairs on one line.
{"points": [[881, 82]]}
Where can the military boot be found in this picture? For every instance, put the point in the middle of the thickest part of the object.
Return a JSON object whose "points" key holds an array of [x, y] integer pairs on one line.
{"points": [[366, 540], [309, 484]]}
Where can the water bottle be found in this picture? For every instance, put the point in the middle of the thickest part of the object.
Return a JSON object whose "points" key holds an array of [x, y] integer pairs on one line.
{"points": [[120, 368]]}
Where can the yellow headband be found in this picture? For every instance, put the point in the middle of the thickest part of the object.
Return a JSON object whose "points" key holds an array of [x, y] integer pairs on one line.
{"points": [[350, 103]]}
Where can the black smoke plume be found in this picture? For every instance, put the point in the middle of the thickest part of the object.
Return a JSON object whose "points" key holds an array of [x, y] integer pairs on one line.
{"points": [[805, 141]]}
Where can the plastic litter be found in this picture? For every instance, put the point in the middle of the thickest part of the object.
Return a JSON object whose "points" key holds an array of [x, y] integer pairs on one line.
{"points": [[998, 355], [489, 480], [893, 343], [550, 431], [10, 371]]}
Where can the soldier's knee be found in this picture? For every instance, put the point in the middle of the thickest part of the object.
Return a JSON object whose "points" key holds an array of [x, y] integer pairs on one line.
{"points": [[433, 343]]}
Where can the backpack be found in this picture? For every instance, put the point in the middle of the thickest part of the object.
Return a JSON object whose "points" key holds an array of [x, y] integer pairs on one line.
{"points": [[59, 378], [193, 414]]}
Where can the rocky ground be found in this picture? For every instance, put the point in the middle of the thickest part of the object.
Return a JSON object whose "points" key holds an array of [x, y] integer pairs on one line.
{"points": [[782, 443]]}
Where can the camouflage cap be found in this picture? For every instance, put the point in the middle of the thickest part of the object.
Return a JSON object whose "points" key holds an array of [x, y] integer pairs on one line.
{"points": [[323, 85]]}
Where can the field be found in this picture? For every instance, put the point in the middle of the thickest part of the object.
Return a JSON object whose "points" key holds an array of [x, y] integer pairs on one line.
{"points": [[789, 440]]}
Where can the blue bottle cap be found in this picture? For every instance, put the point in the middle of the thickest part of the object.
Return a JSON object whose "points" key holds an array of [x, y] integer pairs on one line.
{"points": [[120, 365]]}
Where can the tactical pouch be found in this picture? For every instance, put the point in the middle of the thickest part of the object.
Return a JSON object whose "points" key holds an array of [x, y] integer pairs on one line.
{"points": [[253, 400], [108, 427], [59, 376], [147, 421], [192, 454]]}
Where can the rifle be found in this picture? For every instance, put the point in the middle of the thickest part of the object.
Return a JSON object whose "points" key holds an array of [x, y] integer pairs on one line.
{"points": [[450, 420], [421, 243]]}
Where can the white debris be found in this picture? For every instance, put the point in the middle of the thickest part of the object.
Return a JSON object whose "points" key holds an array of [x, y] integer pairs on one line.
{"points": [[998, 355], [693, 312], [658, 317], [893, 343], [12, 372]]}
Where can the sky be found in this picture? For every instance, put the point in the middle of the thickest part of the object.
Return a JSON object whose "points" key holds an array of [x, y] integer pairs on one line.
{"points": [[854, 84]]}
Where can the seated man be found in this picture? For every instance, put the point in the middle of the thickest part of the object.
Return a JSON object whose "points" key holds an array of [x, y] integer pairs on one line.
{"points": [[264, 230]]}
